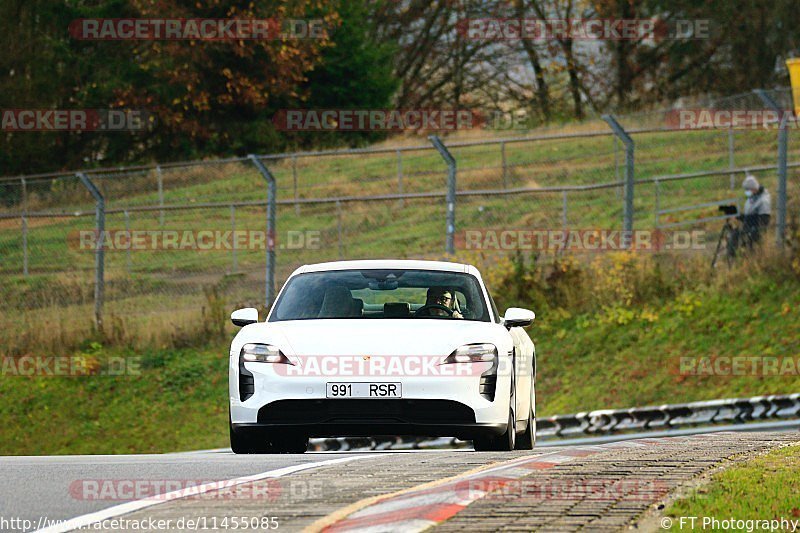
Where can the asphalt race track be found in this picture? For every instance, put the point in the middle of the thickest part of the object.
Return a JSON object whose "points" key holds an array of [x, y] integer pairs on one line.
{"points": [[608, 486]]}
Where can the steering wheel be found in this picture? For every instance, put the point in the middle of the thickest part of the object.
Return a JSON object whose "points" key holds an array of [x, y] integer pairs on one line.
{"points": [[428, 307]]}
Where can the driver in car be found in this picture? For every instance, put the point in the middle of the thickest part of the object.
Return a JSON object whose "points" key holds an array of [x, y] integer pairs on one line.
{"points": [[443, 297]]}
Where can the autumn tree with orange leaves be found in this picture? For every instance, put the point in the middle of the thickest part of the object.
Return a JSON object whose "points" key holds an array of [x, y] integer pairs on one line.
{"points": [[220, 95]]}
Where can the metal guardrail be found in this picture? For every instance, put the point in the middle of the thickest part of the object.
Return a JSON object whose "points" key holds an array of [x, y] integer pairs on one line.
{"points": [[713, 412], [735, 412]]}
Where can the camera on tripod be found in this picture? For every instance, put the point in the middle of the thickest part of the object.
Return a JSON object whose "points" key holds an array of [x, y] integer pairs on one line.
{"points": [[729, 209]]}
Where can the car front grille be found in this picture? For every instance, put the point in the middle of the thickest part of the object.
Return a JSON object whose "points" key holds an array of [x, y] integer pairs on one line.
{"points": [[366, 410]]}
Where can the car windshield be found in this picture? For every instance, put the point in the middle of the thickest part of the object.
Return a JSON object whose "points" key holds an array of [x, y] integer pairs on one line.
{"points": [[395, 293]]}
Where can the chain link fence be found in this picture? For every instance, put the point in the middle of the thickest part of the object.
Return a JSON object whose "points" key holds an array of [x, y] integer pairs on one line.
{"points": [[184, 243]]}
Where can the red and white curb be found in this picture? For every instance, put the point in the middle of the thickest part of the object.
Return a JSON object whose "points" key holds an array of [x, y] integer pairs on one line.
{"points": [[422, 507]]}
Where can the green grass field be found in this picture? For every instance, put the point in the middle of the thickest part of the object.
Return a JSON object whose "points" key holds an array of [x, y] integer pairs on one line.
{"points": [[627, 356], [764, 489]]}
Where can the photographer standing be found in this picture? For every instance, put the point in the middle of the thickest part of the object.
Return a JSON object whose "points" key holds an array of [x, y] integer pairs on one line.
{"points": [[757, 209]]}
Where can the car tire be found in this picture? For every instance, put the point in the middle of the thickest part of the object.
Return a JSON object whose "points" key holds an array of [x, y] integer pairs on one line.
{"points": [[527, 440], [248, 441], [244, 441], [498, 443], [289, 444]]}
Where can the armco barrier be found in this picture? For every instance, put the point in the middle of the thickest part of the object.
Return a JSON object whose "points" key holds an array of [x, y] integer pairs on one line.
{"points": [[726, 411], [609, 422]]}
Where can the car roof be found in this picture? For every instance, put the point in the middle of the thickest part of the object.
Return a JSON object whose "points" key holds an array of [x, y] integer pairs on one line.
{"points": [[388, 263]]}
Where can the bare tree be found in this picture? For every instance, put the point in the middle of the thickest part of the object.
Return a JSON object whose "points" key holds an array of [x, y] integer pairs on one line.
{"points": [[542, 92], [563, 10]]}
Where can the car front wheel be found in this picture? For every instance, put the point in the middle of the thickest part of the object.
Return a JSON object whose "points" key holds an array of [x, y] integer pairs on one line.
{"points": [[289, 444], [254, 440], [248, 441], [498, 443]]}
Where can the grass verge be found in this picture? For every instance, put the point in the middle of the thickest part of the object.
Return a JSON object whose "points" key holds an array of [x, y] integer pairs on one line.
{"points": [[762, 489]]}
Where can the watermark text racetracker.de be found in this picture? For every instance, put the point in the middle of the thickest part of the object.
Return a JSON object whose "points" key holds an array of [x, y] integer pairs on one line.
{"points": [[68, 366], [22, 120], [191, 240], [399, 120], [711, 118], [158, 490], [580, 240], [575, 29], [536, 489], [196, 29], [390, 366], [740, 365]]}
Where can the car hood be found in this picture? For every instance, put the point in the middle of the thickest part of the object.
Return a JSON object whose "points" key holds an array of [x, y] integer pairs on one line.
{"points": [[371, 336]]}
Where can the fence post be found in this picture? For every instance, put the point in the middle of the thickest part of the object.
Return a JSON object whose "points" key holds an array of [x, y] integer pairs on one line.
{"points": [[620, 132], [24, 227], [234, 268], [731, 161], [339, 228], [564, 209], [400, 175], [451, 192], [657, 186], [24, 245], [505, 164], [160, 179], [294, 180], [99, 254], [269, 290], [783, 140], [616, 163], [128, 261]]}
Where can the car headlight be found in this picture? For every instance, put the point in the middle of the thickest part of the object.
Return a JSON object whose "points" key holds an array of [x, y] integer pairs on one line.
{"points": [[263, 353], [473, 353]]}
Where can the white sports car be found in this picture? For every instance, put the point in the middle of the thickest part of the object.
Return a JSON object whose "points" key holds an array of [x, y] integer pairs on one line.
{"points": [[388, 347]]}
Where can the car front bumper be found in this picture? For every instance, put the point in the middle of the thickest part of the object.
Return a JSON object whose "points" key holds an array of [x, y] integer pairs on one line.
{"points": [[430, 406]]}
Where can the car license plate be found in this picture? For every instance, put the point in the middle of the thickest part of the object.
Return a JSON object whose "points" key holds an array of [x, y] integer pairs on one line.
{"points": [[364, 390]]}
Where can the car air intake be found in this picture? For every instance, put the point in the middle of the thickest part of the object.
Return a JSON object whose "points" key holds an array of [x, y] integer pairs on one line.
{"points": [[246, 382], [488, 383], [488, 386]]}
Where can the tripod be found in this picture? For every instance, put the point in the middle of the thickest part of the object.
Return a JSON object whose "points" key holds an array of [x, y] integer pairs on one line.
{"points": [[725, 235]]}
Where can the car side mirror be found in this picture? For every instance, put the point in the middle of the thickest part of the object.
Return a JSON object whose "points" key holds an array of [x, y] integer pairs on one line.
{"points": [[243, 317], [518, 317]]}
